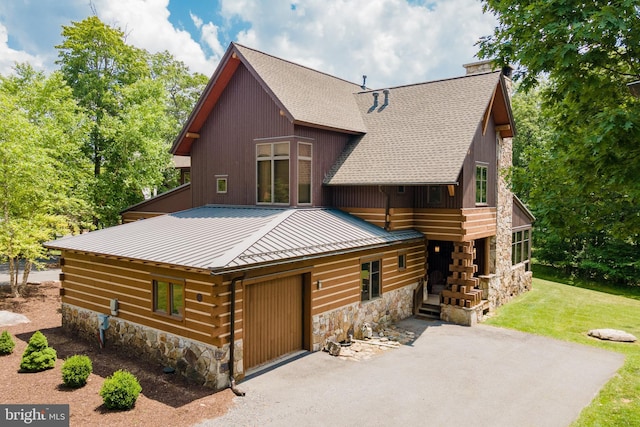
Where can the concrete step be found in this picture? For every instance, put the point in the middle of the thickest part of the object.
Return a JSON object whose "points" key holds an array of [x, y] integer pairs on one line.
{"points": [[430, 311]]}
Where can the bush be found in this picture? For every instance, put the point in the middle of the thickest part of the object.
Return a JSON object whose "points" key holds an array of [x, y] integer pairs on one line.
{"points": [[120, 390], [76, 370], [38, 356], [6, 343]]}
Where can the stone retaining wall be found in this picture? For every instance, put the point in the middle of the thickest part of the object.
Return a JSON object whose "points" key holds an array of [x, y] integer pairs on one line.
{"points": [[201, 363], [337, 324]]}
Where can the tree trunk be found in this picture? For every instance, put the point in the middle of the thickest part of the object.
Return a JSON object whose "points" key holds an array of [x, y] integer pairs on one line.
{"points": [[13, 277], [25, 275]]}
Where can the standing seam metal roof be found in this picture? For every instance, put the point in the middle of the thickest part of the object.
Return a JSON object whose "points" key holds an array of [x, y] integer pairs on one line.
{"points": [[222, 237]]}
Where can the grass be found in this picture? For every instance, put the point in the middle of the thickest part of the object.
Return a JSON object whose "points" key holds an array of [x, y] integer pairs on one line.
{"points": [[567, 311]]}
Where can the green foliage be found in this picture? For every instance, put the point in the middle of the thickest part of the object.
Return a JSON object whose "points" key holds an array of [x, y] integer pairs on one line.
{"points": [[578, 171], [135, 104], [38, 356], [6, 343], [567, 313], [76, 370], [120, 390], [42, 181]]}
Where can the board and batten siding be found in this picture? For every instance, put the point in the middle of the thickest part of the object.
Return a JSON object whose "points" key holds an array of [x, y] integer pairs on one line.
{"points": [[226, 145], [91, 282]]}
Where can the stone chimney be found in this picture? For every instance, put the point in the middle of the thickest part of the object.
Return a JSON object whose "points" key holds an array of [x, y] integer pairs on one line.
{"points": [[489, 65]]}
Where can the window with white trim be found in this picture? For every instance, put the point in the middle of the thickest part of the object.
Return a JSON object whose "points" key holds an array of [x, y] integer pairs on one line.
{"points": [[272, 164], [520, 245], [305, 154], [221, 184], [481, 184]]}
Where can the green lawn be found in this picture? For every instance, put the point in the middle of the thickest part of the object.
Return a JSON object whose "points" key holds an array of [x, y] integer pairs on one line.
{"points": [[568, 312]]}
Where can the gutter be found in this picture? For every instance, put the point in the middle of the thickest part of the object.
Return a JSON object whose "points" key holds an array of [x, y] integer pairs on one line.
{"points": [[232, 345]]}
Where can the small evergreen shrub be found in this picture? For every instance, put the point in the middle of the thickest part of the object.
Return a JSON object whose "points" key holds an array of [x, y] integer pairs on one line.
{"points": [[6, 343], [120, 390], [38, 356], [76, 370]]}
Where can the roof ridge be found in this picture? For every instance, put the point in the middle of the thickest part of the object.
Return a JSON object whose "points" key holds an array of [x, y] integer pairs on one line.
{"points": [[241, 247], [430, 82], [296, 64]]}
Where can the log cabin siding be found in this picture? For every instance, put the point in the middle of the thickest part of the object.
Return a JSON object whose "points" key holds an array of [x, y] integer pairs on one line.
{"points": [[91, 282], [340, 277], [243, 113]]}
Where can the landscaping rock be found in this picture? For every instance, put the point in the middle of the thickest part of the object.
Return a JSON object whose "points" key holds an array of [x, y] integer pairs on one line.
{"points": [[333, 347], [612, 335]]}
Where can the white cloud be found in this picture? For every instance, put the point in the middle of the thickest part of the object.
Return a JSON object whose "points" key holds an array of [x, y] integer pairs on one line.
{"points": [[392, 41], [146, 23], [197, 21], [9, 57]]}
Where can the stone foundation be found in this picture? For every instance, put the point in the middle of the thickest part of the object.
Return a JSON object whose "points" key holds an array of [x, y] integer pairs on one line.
{"points": [[461, 315], [337, 324], [200, 363], [499, 290]]}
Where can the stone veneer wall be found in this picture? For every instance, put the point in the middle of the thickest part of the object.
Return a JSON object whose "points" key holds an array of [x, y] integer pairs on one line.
{"points": [[201, 363], [390, 307]]}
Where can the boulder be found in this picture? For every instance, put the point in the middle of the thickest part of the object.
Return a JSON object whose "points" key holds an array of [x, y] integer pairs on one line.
{"points": [[333, 347], [612, 335]]}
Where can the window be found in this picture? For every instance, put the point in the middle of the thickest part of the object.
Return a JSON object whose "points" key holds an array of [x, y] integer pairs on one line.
{"points": [[304, 172], [401, 189], [481, 184], [434, 195], [370, 280], [273, 172], [221, 184], [520, 242], [402, 261], [168, 297]]}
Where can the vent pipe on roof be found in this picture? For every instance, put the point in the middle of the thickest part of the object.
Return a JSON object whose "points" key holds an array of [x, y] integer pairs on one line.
{"points": [[364, 81], [375, 102], [386, 99]]}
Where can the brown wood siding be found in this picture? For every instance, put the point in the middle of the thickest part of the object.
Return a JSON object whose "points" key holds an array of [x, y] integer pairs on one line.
{"points": [[174, 200], [134, 216], [340, 276], [273, 320], [327, 147], [226, 145], [372, 196], [456, 225], [519, 217], [91, 282], [483, 149], [447, 202]]}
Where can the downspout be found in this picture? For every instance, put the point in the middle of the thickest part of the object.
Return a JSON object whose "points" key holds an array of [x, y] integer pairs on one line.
{"points": [[232, 381], [387, 219]]}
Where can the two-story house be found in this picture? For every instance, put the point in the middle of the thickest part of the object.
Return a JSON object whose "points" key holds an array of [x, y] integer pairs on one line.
{"points": [[315, 206]]}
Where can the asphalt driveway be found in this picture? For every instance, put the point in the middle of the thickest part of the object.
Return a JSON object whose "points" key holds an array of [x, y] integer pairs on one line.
{"points": [[449, 376]]}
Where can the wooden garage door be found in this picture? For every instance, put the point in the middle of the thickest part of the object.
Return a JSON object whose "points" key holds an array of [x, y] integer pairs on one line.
{"points": [[273, 320]]}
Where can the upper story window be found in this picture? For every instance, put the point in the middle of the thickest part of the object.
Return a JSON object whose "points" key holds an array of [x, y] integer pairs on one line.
{"points": [[434, 195], [221, 184], [272, 161], [305, 154], [481, 184]]}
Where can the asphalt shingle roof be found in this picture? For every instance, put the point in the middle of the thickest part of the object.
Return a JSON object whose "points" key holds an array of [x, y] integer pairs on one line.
{"points": [[222, 237], [421, 137], [308, 95]]}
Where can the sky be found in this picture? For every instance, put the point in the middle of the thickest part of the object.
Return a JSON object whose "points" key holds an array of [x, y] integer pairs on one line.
{"points": [[393, 42]]}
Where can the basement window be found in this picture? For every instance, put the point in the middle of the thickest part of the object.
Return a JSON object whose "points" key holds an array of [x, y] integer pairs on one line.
{"points": [[168, 297], [370, 280]]}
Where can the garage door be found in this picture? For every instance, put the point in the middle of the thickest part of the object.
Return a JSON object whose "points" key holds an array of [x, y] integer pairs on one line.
{"points": [[273, 320]]}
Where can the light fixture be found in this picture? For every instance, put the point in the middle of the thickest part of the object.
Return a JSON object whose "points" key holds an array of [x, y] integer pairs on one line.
{"points": [[319, 284], [436, 249]]}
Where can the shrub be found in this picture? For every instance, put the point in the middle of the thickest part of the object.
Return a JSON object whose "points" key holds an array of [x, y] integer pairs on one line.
{"points": [[120, 390], [38, 356], [76, 370], [6, 343]]}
